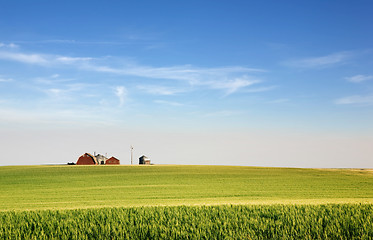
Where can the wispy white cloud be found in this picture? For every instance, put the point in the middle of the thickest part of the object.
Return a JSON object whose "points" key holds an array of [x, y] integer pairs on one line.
{"points": [[228, 79], [53, 79], [322, 61], [64, 41], [187, 73], [128, 40], [355, 100], [25, 58], [55, 92], [359, 78], [171, 103], [43, 59], [213, 78], [233, 85], [121, 93], [5, 79], [10, 45], [159, 90], [66, 91], [260, 89], [72, 60], [57, 41]]}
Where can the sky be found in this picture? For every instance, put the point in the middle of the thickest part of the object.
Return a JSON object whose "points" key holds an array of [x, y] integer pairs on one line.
{"points": [[249, 83]]}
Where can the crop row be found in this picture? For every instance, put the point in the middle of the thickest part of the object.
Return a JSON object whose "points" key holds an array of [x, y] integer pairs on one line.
{"points": [[334, 221]]}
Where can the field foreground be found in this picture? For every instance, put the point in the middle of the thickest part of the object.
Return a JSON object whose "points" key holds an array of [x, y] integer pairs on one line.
{"points": [[142, 202], [76, 187], [342, 221]]}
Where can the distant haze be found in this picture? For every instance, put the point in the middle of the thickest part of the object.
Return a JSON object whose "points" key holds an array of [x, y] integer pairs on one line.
{"points": [[249, 148]]}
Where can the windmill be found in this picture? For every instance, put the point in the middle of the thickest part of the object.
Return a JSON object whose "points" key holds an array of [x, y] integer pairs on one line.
{"points": [[131, 147]]}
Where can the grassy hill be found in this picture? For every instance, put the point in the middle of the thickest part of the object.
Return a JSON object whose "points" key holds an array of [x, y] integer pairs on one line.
{"points": [[65, 187]]}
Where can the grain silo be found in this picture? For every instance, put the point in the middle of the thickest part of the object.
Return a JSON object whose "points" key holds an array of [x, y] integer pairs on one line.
{"points": [[144, 160]]}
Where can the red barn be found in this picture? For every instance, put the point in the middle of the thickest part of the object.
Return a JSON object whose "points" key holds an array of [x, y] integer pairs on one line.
{"points": [[112, 161], [86, 159]]}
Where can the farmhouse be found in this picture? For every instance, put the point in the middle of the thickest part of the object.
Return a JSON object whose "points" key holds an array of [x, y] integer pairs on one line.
{"points": [[144, 160], [100, 159], [112, 161]]}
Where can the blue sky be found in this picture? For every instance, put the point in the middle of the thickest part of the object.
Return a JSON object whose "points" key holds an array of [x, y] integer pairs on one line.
{"points": [[251, 69]]}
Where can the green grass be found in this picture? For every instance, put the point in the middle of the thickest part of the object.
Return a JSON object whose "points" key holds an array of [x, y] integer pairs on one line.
{"points": [[342, 221], [141, 202], [72, 187]]}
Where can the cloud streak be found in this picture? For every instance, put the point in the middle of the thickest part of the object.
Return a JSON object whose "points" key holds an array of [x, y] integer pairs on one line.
{"points": [[233, 85], [24, 58], [170, 103], [260, 89], [186, 72], [359, 78], [320, 62], [43, 59], [68, 91], [159, 90], [228, 79], [10, 45], [355, 100], [6, 79]]}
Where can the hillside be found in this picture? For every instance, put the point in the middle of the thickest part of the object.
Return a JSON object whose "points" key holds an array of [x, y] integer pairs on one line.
{"points": [[65, 187]]}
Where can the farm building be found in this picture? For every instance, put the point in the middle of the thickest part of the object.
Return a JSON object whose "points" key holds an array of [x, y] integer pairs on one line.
{"points": [[101, 159], [112, 161], [89, 159], [144, 160], [86, 159]]}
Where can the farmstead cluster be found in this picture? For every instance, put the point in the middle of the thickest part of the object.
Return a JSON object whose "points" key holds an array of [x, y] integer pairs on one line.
{"points": [[98, 159], [89, 159]]}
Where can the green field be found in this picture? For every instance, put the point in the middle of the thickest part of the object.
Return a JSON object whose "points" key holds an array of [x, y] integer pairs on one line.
{"points": [[69, 187], [343, 221], [173, 202]]}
